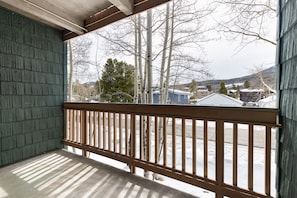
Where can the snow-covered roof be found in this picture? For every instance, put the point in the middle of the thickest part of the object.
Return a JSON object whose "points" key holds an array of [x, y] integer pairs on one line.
{"points": [[251, 90], [269, 102], [216, 99], [202, 90], [235, 84], [175, 91]]}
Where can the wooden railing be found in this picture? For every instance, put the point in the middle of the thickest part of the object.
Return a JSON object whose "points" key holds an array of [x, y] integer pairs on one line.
{"points": [[171, 140]]}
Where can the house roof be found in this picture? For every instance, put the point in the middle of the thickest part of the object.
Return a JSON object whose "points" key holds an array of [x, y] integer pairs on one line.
{"points": [[216, 99], [269, 102], [252, 90], [175, 91], [77, 17]]}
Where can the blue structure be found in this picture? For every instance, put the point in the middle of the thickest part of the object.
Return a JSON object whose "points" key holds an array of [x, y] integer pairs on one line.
{"points": [[174, 97]]}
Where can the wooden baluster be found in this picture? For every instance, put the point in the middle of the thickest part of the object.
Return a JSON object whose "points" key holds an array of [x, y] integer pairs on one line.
{"points": [[104, 130], [173, 144], [235, 153], [109, 131], [148, 138], [251, 157], [194, 146], [74, 125], [90, 127], [133, 142], [69, 125], [268, 160], [94, 129], [67, 129], [205, 143], [156, 141], [164, 142], [120, 135], [114, 132], [77, 127], [83, 131], [126, 135], [99, 130], [183, 145], [141, 129]]}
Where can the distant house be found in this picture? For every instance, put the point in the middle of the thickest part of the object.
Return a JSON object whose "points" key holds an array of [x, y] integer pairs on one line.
{"points": [[251, 95], [228, 86], [216, 99], [174, 97]]}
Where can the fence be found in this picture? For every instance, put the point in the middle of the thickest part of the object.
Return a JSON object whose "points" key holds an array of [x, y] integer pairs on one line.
{"points": [[177, 141]]}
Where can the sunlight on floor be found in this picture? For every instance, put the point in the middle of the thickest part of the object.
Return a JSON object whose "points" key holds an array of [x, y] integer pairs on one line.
{"points": [[3, 193]]}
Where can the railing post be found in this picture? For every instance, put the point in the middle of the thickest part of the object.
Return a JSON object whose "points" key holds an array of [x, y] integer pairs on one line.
{"points": [[83, 131], [219, 157]]}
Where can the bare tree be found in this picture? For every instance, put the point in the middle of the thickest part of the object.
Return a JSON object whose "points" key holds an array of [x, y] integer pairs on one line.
{"points": [[178, 36], [258, 71], [78, 59], [168, 41], [250, 20]]}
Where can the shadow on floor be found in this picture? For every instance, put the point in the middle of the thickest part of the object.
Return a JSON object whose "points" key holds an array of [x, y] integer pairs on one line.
{"points": [[63, 174]]}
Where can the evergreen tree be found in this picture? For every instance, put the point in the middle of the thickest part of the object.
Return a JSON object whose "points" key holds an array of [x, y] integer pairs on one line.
{"points": [[117, 81], [246, 84], [223, 89], [209, 87], [193, 86]]}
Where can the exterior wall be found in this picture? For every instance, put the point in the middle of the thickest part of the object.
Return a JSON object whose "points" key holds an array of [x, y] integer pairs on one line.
{"points": [[32, 87], [178, 98], [287, 72], [172, 98], [247, 96]]}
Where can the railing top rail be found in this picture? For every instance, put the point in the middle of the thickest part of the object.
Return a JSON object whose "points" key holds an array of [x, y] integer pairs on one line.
{"points": [[229, 114]]}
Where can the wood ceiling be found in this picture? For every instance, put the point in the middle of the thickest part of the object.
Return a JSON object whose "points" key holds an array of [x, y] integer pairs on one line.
{"points": [[77, 17]]}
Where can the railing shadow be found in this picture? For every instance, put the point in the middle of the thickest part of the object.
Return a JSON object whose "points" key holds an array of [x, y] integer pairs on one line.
{"points": [[62, 174]]}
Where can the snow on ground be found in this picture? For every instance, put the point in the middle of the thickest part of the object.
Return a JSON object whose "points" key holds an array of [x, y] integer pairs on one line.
{"points": [[259, 158]]}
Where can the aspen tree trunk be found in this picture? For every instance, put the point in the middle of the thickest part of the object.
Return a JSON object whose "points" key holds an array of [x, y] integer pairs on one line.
{"points": [[149, 72], [70, 71], [149, 57], [164, 75], [162, 99], [139, 56], [136, 62], [170, 52], [98, 71]]}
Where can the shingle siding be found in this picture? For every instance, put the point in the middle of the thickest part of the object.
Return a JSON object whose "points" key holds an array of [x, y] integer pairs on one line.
{"points": [[32, 87], [287, 70]]}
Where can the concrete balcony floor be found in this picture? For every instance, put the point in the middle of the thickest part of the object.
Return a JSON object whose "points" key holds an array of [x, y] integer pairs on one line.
{"points": [[63, 174]]}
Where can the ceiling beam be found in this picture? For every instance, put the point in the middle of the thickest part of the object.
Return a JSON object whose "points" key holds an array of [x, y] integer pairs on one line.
{"points": [[46, 13], [125, 6], [112, 14]]}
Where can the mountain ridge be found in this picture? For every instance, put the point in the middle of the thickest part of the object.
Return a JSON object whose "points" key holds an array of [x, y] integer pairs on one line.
{"points": [[268, 75]]}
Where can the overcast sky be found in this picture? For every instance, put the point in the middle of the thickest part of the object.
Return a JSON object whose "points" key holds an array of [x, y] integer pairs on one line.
{"points": [[226, 60]]}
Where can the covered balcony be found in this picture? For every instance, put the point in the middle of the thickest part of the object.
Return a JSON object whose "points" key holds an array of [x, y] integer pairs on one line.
{"points": [[225, 151]]}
